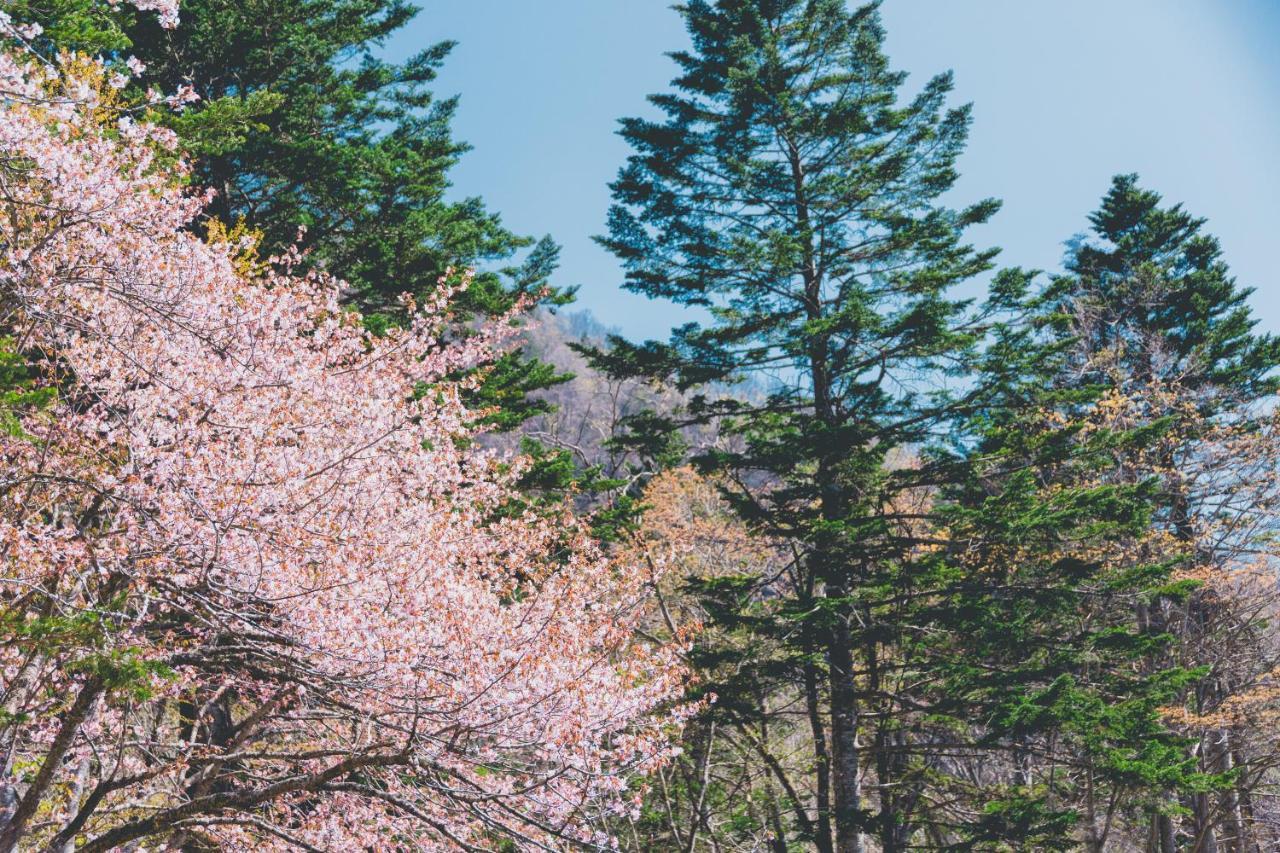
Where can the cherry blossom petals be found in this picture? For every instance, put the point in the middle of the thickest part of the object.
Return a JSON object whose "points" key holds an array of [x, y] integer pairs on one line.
{"points": [[294, 605]]}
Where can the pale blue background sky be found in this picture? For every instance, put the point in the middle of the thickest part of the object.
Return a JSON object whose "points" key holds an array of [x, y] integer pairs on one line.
{"points": [[1065, 92]]}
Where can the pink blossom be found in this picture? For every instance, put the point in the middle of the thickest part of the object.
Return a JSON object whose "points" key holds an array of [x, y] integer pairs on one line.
{"points": [[305, 584]]}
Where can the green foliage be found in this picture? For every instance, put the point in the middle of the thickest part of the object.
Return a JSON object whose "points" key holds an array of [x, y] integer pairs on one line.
{"points": [[299, 123], [1150, 308], [85, 642], [1151, 273], [88, 26], [1018, 819], [793, 193], [19, 393], [122, 671], [957, 573], [1033, 633], [507, 392], [223, 126]]}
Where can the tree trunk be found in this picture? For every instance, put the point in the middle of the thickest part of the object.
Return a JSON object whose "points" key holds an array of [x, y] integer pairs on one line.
{"points": [[1233, 817], [822, 759], [1166, 836], [887, 743], [1092, 836], [846, 760], [1248, 815]]}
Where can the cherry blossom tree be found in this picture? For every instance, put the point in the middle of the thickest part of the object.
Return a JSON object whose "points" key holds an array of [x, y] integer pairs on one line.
{"points": [[259, 586]]}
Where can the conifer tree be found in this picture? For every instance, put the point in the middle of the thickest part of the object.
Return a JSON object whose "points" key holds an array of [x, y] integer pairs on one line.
{"points": [[1045, 700], [353, 147], [1154, 314], [291, 116], [793, 195], [1151, 286]]}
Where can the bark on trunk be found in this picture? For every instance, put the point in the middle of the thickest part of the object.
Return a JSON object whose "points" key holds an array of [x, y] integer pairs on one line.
{"points": [[846, 760], [822, 759]]}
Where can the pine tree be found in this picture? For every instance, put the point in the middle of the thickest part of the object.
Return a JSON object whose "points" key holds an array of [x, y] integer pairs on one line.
{"points": [[1045, 699], [791, 195], [1154, 313], [300, 124], [355, 148], [1152, 286]]}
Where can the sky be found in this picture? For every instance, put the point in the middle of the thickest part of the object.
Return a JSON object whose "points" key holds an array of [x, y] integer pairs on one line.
{"points": [[1066, 94]]}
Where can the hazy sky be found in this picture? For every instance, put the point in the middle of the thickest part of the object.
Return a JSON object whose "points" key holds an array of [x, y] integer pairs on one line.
{"points": [[1066, 93]]}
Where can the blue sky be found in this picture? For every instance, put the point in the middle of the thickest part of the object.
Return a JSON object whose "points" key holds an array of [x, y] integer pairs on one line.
{"points": [[1066, 94]]}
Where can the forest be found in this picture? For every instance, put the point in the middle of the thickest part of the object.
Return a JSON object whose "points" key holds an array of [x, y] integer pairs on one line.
{"points": [[328, 524]]}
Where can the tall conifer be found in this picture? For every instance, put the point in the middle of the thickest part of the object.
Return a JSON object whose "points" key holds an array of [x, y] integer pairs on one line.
{"points": [[302, 122], [1153, 312], [794, 195]]}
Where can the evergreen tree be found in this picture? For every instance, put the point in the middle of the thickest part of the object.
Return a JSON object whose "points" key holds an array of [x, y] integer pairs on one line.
{"points": [[355, 148], [1153, 312], [299, 124], [1151, 286], [1044, 697], [793, 196]]}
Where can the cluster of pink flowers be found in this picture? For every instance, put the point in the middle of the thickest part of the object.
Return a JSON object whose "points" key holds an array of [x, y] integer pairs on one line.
{"points": [[166, 9], [269, 590]]}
